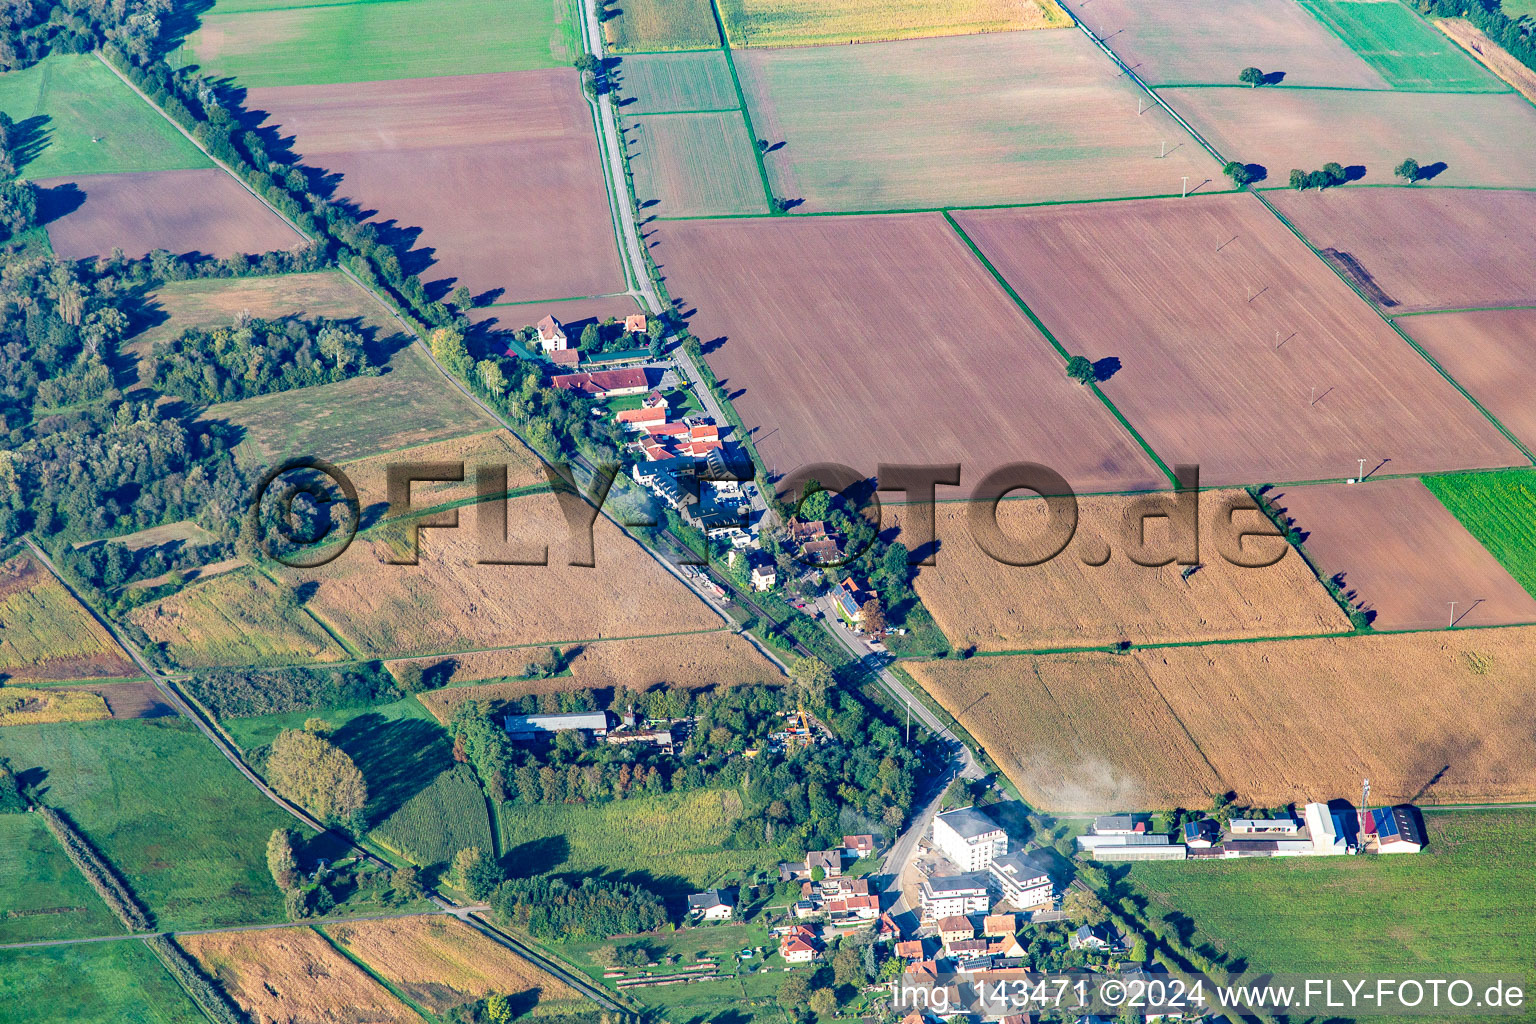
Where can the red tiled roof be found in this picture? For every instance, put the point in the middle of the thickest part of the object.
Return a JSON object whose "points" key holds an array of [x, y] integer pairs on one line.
{"points": [[635, 322], [564, 356], [548, 328], [911, 949], [642, 416]]}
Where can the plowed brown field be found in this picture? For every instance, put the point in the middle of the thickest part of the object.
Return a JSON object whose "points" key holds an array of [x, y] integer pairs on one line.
{"points": [[1405, 556], [1427, 248], [1490, 354], [1226, 329], [979, 601], [1443, 717], [864, 340], [498, 173], [203, 210]]}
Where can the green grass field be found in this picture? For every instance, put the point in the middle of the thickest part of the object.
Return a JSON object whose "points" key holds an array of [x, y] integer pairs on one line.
{"points": [[447, 816], [250, 733], [363, 42], [104, 983], [642, 25], [176, 819], [1464, 905], [670, 842], [690, 165], [1499, 509], [1404, 48], [84, 120], [656, 83], [410, 405], [1519, 8], [44, 897]]}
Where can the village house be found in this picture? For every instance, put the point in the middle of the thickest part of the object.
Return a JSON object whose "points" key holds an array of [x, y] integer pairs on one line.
{"points": [[763, 577], [604, 383], [1007, 946], [951, 895], [910, 949], [955, 928], [799, 945], [830, 861], [1087, 938], [887, 928], [1117, 825], [635, 323], [997, 925], [859, 846], [962, 948], [861, 908], [551, 336], [714, 905], [968, 838], [1201, 834]]}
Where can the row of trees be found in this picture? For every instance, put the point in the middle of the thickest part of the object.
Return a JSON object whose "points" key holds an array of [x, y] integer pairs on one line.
{"points": [[1331, 174], [549, 908], [103, 877]]}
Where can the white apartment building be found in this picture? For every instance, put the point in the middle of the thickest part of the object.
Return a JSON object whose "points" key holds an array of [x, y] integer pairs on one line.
{"points": [[969, 839]]}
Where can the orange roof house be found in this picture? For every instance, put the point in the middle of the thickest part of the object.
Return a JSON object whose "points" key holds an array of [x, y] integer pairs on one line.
{"points": [[604, 383], [635, 323]]}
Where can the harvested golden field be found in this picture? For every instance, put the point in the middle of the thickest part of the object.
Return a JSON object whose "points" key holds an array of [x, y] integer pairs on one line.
{"points": [[450, 602], [234, 619], [1066, 602], [44, 633], [1443, 717], [293, 976], [20, 705], [715, 658], [491, 448], [809, 23], [441, 963]]}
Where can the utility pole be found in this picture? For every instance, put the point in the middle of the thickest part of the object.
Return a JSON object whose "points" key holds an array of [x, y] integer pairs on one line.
{"points": [[1453, 615], [1361, 477], [1186, 187], [1165, 150]]}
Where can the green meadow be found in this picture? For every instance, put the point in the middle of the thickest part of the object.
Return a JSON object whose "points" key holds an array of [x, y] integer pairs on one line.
{"points": [[1403, 47], [97, 983], [44, 897], [265, 45], [79, 118], [1499, 509], [180, 824]]}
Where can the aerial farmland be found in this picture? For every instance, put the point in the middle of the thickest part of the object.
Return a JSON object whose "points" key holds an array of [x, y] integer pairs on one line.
{"points": [[573, 511]]}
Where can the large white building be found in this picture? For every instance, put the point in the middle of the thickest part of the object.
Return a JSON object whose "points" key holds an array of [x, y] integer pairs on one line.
{"points": [[954, 896], [969, 839], [1023, 880]]}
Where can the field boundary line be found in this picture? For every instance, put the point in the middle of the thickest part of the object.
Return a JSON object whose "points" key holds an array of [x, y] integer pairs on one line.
{"points": [[1422, 185], [1461, 309], [746, 115], [641, 114], [1130, 72], [621, 54], [1490, 417], [1061, 351], [961, 208], [378, 979], [1337, 88], [549, 302]]}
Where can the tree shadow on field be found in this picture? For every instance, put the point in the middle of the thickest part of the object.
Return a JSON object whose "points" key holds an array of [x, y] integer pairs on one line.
{"points": [[29, 137], [398, 759], [1106, 368], [1431, 172], [59, 201], [1274, 77], [536, 857]]}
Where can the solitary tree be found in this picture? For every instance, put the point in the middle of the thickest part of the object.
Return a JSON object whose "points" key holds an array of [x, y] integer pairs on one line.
{"points": [[1238, 172], [871, 617], [1251, 77], [1080, 369], [1408, 170]]}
